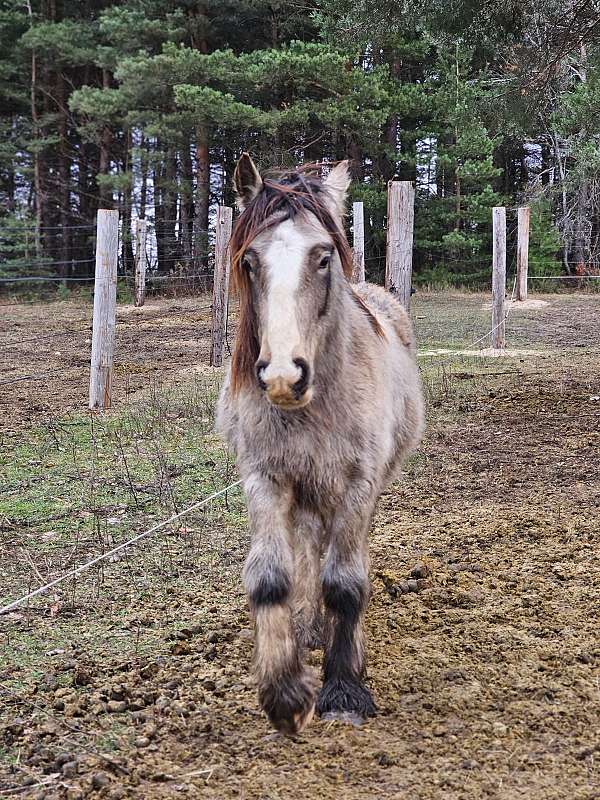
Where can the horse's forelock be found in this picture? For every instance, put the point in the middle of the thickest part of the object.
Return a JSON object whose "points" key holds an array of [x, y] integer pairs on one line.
{"points": [[294, 194]]}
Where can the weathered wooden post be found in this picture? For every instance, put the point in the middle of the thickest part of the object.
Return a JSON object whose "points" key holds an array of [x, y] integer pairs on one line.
{"points": [[524, 215], [400, 222], [105, 309], [358, 252], [220, 284], [499, 278], [140, 263]]}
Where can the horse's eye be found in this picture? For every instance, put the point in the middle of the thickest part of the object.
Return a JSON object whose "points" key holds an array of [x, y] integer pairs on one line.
{"points": [[324, 262], [247, 264]]}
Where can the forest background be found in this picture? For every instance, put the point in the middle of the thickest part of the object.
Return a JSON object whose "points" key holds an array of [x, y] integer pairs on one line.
{"points": [[145, 106]]}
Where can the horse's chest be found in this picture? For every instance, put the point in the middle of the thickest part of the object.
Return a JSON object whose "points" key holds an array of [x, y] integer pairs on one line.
{"points": [[304, 454]]}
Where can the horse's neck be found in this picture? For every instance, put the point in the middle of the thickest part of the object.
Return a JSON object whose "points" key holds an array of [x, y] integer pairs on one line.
{"points": [[334, 366]]}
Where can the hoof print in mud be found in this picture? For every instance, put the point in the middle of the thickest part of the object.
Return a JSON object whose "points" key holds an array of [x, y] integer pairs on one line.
{"points": [[289, 708], [346, 701]]}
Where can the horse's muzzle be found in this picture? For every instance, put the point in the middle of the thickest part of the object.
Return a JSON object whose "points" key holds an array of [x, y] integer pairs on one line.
{"points": [[281, 390]]}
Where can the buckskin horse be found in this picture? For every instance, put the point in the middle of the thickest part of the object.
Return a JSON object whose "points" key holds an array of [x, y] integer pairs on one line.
{"points": [[321, 404]]}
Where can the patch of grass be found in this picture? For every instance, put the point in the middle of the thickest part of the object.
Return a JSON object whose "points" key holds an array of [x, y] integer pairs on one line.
{"points": [[76, 488], [156, 453], [452, 322]]}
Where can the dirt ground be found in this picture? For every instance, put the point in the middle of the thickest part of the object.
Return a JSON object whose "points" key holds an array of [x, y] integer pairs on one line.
{"points": [[486, 676], [44, 369]]}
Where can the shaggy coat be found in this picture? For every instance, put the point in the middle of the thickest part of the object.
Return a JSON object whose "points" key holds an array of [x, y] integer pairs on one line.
{"points": [[312, 472]]}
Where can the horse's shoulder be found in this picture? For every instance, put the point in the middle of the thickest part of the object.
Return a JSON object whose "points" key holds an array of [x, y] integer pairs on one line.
{"points": [[227, 416], [381, 302]]}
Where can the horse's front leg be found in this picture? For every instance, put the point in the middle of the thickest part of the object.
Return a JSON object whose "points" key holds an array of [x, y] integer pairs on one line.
{"points": [[308, 538], [346, 589], [285, 688]]}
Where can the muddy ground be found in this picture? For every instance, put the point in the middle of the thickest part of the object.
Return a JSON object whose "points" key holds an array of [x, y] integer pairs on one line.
{"points": [[136, 683]]}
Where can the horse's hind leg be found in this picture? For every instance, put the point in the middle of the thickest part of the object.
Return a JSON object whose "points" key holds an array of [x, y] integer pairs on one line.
{"points": [[308, 618], [285, 688], [345, 595]]}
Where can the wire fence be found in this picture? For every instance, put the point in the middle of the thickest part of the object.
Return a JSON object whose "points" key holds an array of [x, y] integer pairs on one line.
{"points": [[111, 553], [203, 277], [177, 251], [81, 337]]}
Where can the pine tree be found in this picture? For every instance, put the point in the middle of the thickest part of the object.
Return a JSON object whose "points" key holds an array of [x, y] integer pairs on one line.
{"points": [[456, 177], [145, 105]]}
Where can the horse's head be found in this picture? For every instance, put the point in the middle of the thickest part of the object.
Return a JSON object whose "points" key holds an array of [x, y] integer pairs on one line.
{"points": [[288, 253]]}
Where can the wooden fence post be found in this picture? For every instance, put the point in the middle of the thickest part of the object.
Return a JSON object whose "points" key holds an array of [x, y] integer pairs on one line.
{"points": [[358, 252], [105, 309], [499, 278], [140, 262], [400, 222], [220, 284], [524, 215]]}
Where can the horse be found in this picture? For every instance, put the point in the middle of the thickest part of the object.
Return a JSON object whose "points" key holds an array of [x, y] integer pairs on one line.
{"points": [[321, 404]]}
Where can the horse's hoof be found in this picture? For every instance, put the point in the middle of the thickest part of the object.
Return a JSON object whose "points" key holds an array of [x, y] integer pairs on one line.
{"points": [[289, 706], [302, 720], [291, 726], [346, 700]]}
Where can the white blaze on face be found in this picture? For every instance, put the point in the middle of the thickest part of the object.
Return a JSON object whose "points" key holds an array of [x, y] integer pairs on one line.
{"points": [[284, 259]]}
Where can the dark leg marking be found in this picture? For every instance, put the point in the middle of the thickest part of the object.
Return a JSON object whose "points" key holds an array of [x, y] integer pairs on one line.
{"points": [[271, 588], [345, 699], [343, 692]]}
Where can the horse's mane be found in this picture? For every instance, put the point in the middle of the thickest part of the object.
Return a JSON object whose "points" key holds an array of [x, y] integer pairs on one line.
{"points": [[285, 196]]}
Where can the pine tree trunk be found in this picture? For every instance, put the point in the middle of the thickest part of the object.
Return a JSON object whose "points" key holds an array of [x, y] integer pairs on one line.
{"points": [[157, 175], [546, 161], [186, 212], [105, 194], [126, 236], [202, 172], [457, 200], [10, 182], [228, 194], [37, 156], [560, 165], [581, 237], [389, 164], [202, 199], [144, 176], [64, 177], [81, 240], [170, 208]]}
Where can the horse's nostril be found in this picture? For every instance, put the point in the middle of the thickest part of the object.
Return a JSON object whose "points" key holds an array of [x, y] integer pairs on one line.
{"points": [[260, 366], [301, 384]]}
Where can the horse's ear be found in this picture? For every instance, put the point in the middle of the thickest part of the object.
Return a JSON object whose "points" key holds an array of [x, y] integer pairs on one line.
{"points": [[337, 183], [247, 181]]}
